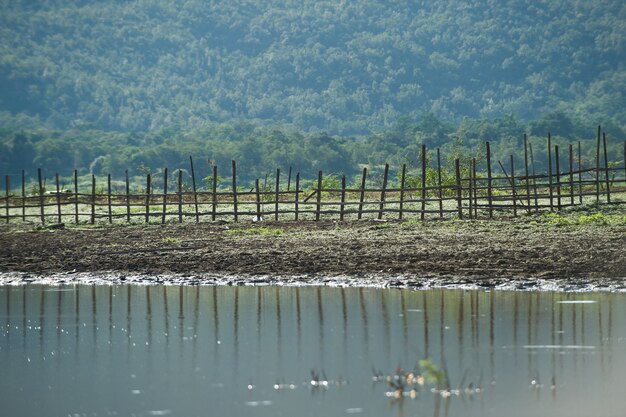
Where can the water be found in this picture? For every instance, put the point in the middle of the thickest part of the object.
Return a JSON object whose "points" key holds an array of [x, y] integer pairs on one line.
{"points": [[215, 351]]}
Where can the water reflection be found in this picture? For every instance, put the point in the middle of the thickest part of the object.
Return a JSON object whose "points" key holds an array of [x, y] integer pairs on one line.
{"points": [[99, 350]]}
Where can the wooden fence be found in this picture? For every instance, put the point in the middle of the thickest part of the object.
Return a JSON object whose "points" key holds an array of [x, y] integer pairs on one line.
{"points": [[472, 195]]}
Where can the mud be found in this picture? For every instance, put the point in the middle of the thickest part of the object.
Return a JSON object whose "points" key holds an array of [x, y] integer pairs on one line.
{"points": [[515, 254]]}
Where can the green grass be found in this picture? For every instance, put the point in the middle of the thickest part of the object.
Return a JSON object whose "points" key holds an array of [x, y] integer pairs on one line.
{"points": [[262, 231]]}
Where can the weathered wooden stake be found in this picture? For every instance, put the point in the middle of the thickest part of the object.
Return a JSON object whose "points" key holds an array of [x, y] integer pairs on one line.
{"points": [[469, 190], [93, 199], [296, 202], [512, 163], [148, 191], [606, 170], [526, 172], [127, 196], [319, 196], [362, 196], [571, 174], [383, 193], [214, 194], [550, 172], [343, 197], [475, 185], [580, 176], [289, 180], [23, 195], [598, 166], [276, 192], [533, 174], [402, 182], [423, 210], [109, 196], [7, 190], [258, 199], [439, 183], [76, 196], [193, 185], [164, 196], [459, 196], [489, 181], [234, 165], [179, 192], [41, 196], [558, 176]]}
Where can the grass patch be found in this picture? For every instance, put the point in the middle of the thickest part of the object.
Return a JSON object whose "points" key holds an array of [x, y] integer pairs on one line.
{"points": [[172, 240], [262, 231]]}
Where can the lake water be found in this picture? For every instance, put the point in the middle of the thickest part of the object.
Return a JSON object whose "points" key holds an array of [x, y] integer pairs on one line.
{"points": [[253, 351]]}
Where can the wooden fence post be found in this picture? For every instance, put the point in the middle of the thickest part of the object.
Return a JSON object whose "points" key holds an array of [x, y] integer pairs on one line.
{"points": [[475, 185], [93, 199], [289, 180], [23, 195], [58, 197], [580, 176], [127, 196], [598, 166], [193, 184], [296, 202], [459, 197], [423, 210], [533, 174], [258, 200], [383, 193], [76, 196], [109, 198], [164, 196], [362, 196], [402, 181], [214, 194], [489, 181], [550, 172], [41, 196], [343, 197], [526, 172], [148, 186], [277, 190], [234, 165], [558, 176], [180, 196], [512, 163], [439, 183], [606, 170], [7, 190], [571, 173], [469, 190], [319, 195]]}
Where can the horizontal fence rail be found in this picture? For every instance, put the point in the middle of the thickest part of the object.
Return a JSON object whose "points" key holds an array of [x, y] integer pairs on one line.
{"points": [[464, 192]]}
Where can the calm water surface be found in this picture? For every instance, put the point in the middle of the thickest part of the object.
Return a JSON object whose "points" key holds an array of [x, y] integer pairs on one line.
{"points": [[222, 351]]}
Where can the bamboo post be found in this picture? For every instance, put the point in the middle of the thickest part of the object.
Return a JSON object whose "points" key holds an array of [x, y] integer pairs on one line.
{"points": [[533, 174], [193, 184], [439, 183], [512, 163], [598, 166], [148, 186], [164, 196], [606, 170], [41, 196], [423, 210], [402, 181], [558, 176], [76, 196], [93, 199], [383, 193], [234, 165], [580, 176], [289, 180], [23, 195], [180, 196], [296, 202], [7, 190], [489, 181], [58, 197], [319, 196], [469, 190], [526, 172], [571, 174], [258, 200], [343, 197], [277, 190], [459, 196], [214, 194], [127, 196], [109, 198], [362, 196], [550, 172]]}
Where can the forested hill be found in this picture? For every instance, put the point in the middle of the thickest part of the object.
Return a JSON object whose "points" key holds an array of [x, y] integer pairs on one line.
{"points": [[346, 67]]}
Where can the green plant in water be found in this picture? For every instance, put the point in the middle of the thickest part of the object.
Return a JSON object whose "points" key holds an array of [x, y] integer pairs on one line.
{"points": [[432, 374]]}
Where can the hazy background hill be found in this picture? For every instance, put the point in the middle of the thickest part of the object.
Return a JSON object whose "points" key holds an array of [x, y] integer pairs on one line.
{"points": [[346, 67], [103, 85]]}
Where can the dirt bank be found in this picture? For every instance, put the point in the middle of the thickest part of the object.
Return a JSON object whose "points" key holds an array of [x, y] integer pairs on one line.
{"points": [[544, 247]]}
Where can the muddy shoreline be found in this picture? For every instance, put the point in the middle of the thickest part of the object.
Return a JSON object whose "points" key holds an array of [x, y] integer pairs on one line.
{"points": [[527, 253]]}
